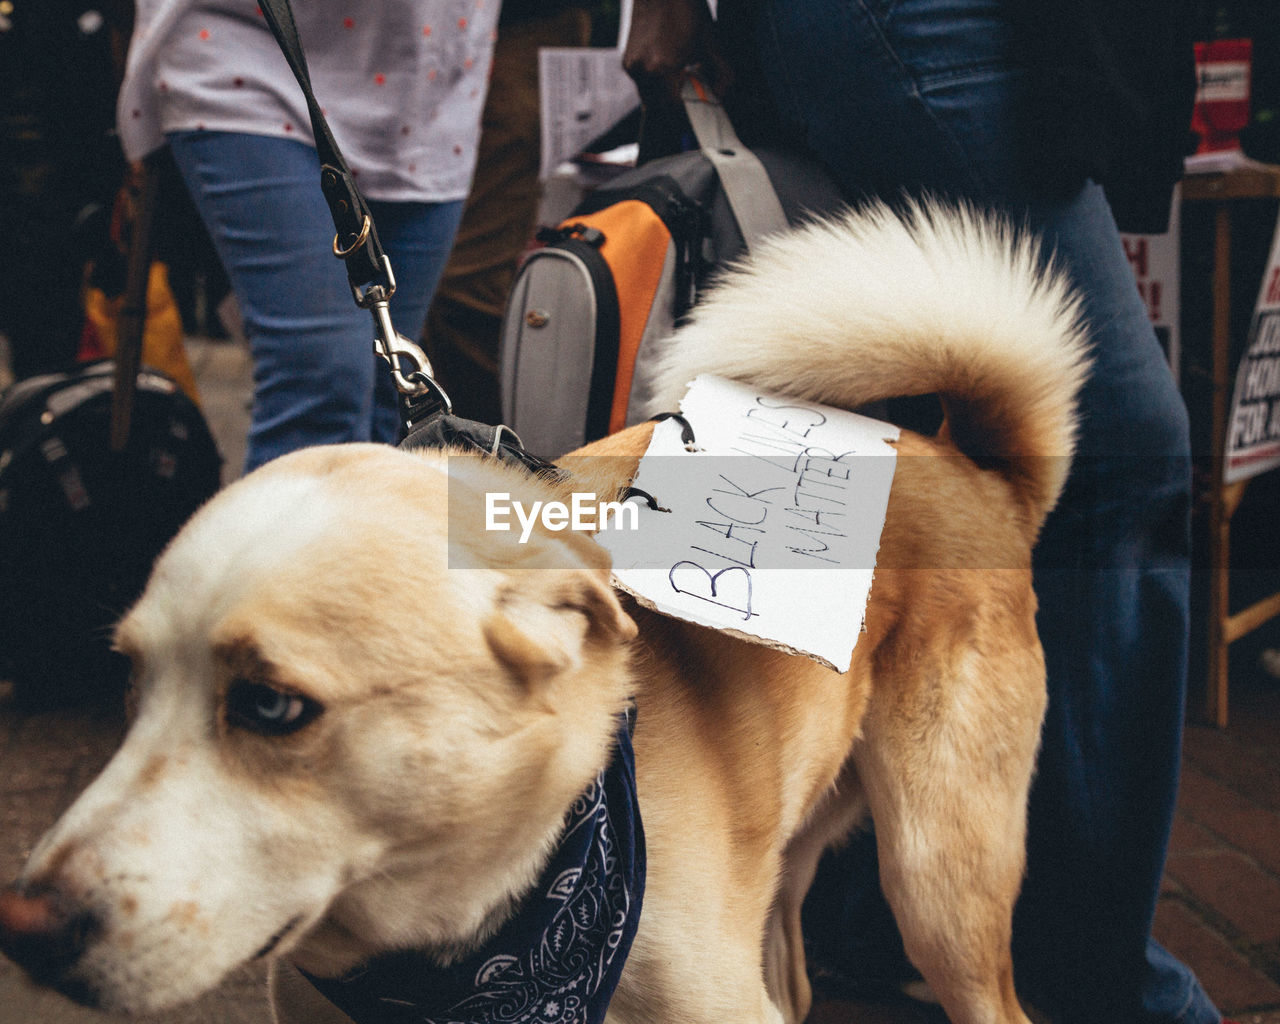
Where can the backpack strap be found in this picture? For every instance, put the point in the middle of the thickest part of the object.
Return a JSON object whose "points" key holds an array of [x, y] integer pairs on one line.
{"points": [[356, 243], [133, 314], [746, 183]]}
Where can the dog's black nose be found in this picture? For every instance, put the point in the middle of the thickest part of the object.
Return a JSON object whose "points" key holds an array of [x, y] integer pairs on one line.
{"points": [[41, 933]]}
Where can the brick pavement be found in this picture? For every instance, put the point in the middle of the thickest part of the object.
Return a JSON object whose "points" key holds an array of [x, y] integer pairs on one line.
{"points": [[1219, 908], [1220, 903]]}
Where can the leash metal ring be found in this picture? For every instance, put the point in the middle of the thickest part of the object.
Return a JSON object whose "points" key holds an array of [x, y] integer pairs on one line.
{"points": [[361, 238]]}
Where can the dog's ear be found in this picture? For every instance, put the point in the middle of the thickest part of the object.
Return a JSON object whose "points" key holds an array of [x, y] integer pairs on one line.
{"points": [[544, 619]]}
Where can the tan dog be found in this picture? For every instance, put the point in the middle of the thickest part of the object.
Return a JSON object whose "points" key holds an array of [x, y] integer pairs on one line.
{"points": [[361, 717]]}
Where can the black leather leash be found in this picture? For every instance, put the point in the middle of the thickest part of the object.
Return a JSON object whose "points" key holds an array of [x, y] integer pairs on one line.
{"points": [[425, 408], [356, 239], [356, 243]]}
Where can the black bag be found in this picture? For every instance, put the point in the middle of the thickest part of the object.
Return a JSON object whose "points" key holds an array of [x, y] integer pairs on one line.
{"points": [[590, 312], [80, 524]]}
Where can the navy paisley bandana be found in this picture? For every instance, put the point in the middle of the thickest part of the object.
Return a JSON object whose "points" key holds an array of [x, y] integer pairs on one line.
{"points": [[558, 959]]}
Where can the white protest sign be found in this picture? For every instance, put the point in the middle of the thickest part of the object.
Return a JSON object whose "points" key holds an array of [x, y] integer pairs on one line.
{"points": [[1253, 429], [770, 528]]}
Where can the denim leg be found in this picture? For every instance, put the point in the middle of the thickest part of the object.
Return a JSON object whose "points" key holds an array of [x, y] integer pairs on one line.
{"points": [[1112, 574], [920, 96], [315, 374], [914, 96]]}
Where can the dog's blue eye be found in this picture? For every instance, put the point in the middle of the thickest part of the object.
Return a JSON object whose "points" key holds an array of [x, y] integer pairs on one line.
{"points": [[268, 711]]}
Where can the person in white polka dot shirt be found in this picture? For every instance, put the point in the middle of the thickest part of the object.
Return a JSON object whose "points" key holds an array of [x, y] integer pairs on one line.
{"points": [[402, 84]]}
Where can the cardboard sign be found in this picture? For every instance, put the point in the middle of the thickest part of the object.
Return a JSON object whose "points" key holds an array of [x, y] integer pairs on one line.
{"points": [[768, 528], [1253, 429]]}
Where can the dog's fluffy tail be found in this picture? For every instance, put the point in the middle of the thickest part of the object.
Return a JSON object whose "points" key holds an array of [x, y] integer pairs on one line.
{"points": [[874, 305]]}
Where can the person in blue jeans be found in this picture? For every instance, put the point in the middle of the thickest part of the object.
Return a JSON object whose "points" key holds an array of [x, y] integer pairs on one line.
{"points": [[1061, 115], [316, 380], [402, 84]]}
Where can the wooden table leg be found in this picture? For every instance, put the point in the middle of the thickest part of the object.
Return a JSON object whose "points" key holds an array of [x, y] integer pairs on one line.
{"points": [[1219, 538]]}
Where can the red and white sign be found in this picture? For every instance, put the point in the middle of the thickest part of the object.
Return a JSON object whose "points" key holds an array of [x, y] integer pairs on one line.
{"points": [[1223, 69], [1156, 263]]}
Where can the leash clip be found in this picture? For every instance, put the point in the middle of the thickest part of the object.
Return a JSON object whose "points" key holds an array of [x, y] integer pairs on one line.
{"points": [[410, 368], [420, 394]]}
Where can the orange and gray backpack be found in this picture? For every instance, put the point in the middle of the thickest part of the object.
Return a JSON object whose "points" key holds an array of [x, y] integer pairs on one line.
{"points": [[590, 311]]}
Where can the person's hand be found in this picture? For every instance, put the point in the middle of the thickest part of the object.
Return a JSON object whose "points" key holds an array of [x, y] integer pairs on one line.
{"points": [[666, 38]]}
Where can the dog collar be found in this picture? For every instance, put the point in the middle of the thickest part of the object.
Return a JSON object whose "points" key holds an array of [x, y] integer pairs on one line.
{"points": [[557, 960], [501, 442]]}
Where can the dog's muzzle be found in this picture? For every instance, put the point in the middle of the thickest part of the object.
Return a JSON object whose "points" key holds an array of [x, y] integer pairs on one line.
{"points": [[42, 932]]}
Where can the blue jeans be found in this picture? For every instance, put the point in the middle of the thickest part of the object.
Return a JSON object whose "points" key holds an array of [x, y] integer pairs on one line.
{"points": [[912, 96], [316, 379]]}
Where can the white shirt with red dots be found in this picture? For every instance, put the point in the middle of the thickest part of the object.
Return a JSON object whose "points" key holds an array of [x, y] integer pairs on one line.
{"points": [[401, 83]]}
